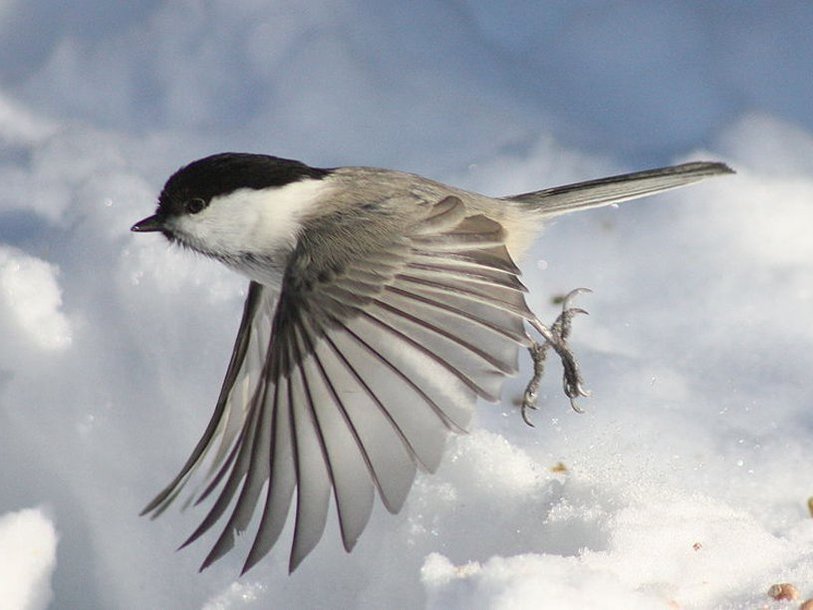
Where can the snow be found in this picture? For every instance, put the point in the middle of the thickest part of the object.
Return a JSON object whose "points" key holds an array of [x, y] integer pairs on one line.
{"points": [[30, 299], [685, 483], [28, 543]]}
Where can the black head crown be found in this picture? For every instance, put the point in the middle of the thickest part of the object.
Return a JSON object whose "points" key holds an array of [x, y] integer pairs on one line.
{"points": [[193, 187], [225, 173]]}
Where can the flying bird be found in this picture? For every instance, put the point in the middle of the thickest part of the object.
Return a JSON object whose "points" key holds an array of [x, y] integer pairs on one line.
{"points": [[380, 306]]}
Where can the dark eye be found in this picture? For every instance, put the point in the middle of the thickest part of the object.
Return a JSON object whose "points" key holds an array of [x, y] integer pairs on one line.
{"points": [[193, 206]]}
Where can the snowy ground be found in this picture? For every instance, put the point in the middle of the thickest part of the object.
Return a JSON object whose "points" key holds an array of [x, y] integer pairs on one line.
{"points": [[684, 485]]}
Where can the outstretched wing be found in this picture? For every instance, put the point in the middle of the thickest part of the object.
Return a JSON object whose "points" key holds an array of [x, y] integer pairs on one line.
{"points": [[373, 354]]}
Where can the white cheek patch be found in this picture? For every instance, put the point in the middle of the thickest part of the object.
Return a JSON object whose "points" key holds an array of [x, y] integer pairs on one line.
{"points": [[249, 220]]}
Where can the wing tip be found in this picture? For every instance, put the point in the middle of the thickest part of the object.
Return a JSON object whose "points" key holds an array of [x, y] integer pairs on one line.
{"points": [[224, 544], [295, 560], [249, 563]]}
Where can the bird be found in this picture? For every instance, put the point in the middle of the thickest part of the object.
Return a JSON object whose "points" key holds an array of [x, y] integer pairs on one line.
{"points": [[380, 306]]}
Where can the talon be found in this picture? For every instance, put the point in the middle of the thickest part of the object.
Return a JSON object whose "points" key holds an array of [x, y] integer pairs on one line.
{"points": [[573, 404], [573, 389], [525, 417], [573, 294], [530, 396]]}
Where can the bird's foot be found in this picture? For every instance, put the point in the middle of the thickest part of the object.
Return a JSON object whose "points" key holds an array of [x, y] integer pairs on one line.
{"points": [[556, 337]]}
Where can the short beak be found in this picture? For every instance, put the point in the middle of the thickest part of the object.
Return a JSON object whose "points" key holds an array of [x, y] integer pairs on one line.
{"points": [[152, 223]]}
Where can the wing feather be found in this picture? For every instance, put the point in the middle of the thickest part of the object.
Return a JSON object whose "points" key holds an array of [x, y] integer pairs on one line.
{"points": [[313, 480], [215, 426], [390, 454], [472, 273], [257, 474], [510, 300], [282, 479], [349, 462], [403, 336], [444, 340], [239, 466], [422, 413], [493, 319]]}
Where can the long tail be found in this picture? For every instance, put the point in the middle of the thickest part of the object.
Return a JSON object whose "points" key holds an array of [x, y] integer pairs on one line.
{"points": [[604, 191]]}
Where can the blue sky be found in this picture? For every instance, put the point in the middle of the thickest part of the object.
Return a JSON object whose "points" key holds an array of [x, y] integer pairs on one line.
{"points": [[112, 346]]}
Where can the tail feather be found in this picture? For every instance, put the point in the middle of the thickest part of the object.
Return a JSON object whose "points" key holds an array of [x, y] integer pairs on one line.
{"points": [[604, 191]]}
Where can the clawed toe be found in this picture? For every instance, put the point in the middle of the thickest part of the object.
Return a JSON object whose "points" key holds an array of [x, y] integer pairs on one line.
{"points": [[556, 337]]}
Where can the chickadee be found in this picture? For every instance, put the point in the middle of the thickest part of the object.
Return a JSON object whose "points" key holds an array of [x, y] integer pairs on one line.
{"points": [[380, 306]]}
